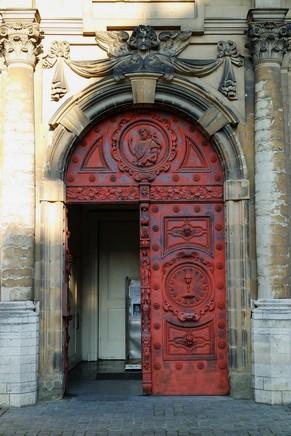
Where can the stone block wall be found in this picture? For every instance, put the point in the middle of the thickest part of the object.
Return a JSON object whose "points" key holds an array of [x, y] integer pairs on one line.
{"points": [[19, 342], [271, 333]]}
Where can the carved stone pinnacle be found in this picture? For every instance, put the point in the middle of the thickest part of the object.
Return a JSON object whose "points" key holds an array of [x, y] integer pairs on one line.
{"points": [[20, 42], [267, 41]]}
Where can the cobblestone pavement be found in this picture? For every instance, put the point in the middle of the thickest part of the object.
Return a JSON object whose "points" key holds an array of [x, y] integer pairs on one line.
{"points": [[144, 416]]}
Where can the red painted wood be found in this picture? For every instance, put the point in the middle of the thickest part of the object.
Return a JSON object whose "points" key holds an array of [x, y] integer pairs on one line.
{"points": [[165, 164]]}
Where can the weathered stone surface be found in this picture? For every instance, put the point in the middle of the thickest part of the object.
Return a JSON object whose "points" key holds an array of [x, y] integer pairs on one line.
{"points": [[20, 43], [271, 337], [267, 42], [19, 347]]}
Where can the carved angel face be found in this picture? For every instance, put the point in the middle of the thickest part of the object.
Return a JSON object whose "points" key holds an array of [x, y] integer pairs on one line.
{"points": [[143, 38]]}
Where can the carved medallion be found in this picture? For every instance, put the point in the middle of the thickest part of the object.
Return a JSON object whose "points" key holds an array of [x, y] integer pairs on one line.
{"points": [[144, 147], [187, 285]]}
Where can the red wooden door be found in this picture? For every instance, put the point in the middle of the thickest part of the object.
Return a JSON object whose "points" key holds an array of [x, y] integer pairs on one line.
{"points": [[164, 163], [188, 326]]}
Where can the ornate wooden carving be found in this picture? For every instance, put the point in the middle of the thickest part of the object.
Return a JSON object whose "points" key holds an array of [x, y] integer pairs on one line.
{"points": [[168, 167], [190, 294], [105, 193], [182, 193], [144, 147], [145, 278]]}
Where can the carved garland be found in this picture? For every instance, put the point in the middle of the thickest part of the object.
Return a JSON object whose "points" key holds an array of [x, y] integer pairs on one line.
{"points": [[102, 193], [165, 193], [144, 51], [158, 193]]}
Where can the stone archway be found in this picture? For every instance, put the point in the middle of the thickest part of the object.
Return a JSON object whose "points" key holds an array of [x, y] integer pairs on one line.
{"points": [[211, 113]]}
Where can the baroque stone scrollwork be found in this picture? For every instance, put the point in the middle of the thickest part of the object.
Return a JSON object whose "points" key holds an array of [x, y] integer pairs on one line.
{"points": [[146, 51], [59, 51], [20, 42], [228, 50], [268, 40]]}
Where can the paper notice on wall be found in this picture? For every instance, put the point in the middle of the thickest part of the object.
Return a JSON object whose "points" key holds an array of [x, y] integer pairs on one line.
{"points": [[134, 291]]}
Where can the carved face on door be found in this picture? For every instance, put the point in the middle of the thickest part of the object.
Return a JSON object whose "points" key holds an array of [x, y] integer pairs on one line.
{"points": [[164, 163]]}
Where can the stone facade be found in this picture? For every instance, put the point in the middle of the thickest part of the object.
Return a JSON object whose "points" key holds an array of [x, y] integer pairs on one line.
{"points": [[230, 73]]}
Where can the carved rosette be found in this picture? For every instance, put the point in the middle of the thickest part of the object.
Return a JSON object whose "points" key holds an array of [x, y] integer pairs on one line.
{"points": [[20, 42], [144, 147], [267, 41]]}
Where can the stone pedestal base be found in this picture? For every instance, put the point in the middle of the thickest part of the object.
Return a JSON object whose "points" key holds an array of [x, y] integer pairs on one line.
{"points": [[19, 341], [271, 337]]}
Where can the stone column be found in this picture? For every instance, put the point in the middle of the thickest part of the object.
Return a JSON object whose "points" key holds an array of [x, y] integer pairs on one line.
{"points": [[271, 356], [20, 43]]}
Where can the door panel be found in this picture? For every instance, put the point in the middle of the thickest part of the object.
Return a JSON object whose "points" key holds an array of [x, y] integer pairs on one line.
{"points": [[118, 259], [188, 318]]}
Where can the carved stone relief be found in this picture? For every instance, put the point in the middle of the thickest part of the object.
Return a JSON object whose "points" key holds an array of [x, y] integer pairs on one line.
{"points": [[268, 40], [144, 50], [20, 42], [59, 51]]}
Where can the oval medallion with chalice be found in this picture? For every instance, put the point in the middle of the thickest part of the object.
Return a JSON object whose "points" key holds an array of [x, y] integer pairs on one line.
{"points": [[188, 285]]}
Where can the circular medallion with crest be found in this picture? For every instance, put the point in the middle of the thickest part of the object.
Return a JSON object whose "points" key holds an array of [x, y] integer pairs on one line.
{"points": [[144, 147]]}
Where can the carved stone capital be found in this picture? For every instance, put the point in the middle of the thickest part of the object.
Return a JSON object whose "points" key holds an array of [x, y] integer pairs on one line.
{"points": [[20, 42], [267, 41]]}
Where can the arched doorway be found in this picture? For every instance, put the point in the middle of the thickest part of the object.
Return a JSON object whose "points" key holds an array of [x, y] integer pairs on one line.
{"points": [[164, 164], [214, 115]]}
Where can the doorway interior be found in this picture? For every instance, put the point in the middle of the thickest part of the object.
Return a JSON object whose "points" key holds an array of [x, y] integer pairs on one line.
{"points": [[104, 249]]}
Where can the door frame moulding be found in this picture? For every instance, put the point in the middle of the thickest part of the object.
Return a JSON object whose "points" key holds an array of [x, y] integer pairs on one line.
{"points": [[212, 112]]}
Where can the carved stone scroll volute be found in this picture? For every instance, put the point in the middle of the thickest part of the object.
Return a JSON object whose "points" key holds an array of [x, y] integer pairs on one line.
{"points": [[145, 277]]}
